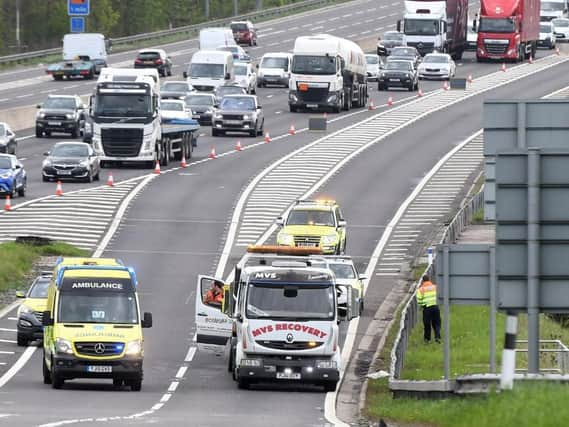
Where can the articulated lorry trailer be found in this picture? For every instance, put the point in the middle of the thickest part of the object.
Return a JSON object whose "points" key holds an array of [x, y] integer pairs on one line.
{"points": [[436, 26], [507, 30], [327, 72]]}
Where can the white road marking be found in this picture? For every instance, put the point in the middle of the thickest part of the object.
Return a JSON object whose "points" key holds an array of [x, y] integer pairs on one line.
{"points": [[173, 386], [28, 352], [190, 355], [181, 372]]}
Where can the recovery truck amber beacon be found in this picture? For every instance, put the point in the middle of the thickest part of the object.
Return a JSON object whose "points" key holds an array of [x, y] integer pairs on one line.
{"points": [[92, 325], [280, 316]]}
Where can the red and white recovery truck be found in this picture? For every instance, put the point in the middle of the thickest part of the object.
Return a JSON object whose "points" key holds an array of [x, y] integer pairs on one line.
{"points": [[279, 316]]}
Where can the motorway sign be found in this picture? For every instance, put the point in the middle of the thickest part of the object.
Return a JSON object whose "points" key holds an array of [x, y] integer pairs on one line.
{"points": [[77, 24], [78, 7]]}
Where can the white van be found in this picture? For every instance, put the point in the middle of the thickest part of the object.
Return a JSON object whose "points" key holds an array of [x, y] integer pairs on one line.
{"points": [[274, 68], [209, 69], [110, 74], [92, 45], [212, 38]]}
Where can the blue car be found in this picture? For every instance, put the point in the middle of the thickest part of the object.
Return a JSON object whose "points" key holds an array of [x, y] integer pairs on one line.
{"points": [[12, 176]]}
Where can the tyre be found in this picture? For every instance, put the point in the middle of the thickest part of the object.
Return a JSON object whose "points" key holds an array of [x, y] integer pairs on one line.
{"points": [[44, 178], [56, 379], [135, 385], [329, 386], [22, 340], [103, 164], [411, 87], [253, 132], [214, 132], [292, 108], [39, 133], [22, 190], [46, 373], [169, 72], [243, 383], [75, 132], [89, 177], [261, 130], [97, 177], [254, 90]]}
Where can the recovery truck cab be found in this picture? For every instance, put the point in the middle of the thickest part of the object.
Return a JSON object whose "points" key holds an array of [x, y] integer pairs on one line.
{"points": [[92, 325], [280, 316], [327, 72]]}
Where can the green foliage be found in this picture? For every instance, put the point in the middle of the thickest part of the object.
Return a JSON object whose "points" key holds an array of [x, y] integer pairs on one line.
{"points": [[16, 260]]}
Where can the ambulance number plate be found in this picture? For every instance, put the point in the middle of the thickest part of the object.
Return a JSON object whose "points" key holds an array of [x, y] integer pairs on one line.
{"points": [[99, 369], [288, 375]]}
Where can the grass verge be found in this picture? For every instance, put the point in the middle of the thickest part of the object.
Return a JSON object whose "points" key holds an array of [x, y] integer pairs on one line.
{"points": [[469, 354], [16, 260]]}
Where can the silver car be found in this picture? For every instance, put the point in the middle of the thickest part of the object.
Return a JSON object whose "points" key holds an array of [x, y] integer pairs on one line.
{"points": [[238, 113]]}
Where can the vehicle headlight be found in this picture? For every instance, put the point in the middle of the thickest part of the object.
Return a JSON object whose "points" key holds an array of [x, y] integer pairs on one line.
{"points": [[218, 116], [63, 346], [6, 175], [256, 363], [40, 115], [285, 239], [330, 239], [46, 163], [134, 348], [246, 117], [70, 116], [292, 97], [325, 364], [84, 163], [332, 98], [24, 309]]}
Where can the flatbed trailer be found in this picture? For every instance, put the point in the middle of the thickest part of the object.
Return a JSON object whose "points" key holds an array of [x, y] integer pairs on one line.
{"points": [[179, 138]]}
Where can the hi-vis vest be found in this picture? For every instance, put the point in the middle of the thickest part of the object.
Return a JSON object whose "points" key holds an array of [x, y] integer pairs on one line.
{"points": [[427, 294]]}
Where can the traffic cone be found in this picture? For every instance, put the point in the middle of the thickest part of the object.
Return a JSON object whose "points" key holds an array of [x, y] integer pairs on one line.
{"points": [[8, 204], [59, 189], [446, 86], [469, 78], [557, 51], [267, 137], [110, 180], [238, 146], [420, 93], [157, 167], [292, 130], [390, 101], [503, 66], [184, 164], [326, 115], [212, 153], [371, 105]]}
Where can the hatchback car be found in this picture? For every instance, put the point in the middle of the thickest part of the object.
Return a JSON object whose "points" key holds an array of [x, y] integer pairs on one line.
{"points": [[546, 35], [437, 66], [154, 58], [406, 53], [238, 113], [175, 90], [224, 90], [390, 40], [201, 106], [174, 109], [73, 161], [61, 113], [398, 73], [244, 32], [245, 76], [374, 65], [8, 141], [30, 312], [238, 53], [13, 176]]}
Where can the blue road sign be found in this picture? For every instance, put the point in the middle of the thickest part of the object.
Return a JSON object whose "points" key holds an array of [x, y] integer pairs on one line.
{"points": [[78, 7], [77, 24]]}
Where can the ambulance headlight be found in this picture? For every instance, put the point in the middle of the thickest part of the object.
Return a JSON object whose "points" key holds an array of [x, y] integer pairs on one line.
{"points": [[325, 364], [252, 363], [285, 239], [134, 348], [63, 346], [330, 239]]}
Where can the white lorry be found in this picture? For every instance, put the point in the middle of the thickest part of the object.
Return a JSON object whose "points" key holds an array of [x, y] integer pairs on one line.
{"points": [[125, 121], [280, 317], [327, 72], [209, 69]]}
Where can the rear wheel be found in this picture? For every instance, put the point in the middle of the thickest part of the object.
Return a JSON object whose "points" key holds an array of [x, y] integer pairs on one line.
{"points": [[22, 340], [39, 133], [46, 373], [22, 190]]}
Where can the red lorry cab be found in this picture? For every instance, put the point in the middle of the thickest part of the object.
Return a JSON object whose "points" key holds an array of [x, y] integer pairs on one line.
{"points": [[507, 29]]}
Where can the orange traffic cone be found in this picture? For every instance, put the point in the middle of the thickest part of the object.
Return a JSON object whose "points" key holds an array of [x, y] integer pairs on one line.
{"points": [[420, 93], [503, 66], [292, 130], [184, 164], [390, 101], [238, 146], [157, 167], [469, 78], [8, 204], [445, 85], [59, 189], [212, 153], [557, 51], [110, 180], [371, 105], [267, 137]]}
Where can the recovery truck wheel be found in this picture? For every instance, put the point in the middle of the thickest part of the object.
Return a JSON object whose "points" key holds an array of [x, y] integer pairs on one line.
{"points": [[46, 373], [243, 383]]}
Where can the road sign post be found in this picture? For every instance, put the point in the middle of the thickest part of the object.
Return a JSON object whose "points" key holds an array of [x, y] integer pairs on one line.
{"points": [[77, 24], [78, 7]]}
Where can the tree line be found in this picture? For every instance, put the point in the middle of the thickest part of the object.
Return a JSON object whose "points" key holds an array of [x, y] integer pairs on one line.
{"points": [[43, 23]]}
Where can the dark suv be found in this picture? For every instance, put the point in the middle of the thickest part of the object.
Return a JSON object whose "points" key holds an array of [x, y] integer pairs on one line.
{"points": [[60, 113], [154, 58]]}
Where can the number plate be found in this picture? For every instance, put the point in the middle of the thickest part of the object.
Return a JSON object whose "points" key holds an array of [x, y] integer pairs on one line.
{"points": [[307, 244], [54, 123], [311, 105], [99, 369], [393, 80], [149, 62], [64, 172], [232, 122], [288, 376]]}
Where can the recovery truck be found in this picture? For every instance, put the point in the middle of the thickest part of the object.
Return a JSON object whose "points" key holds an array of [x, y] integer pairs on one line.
{"points": [[84, 55], [436, 26], [327, 72], [279, 316], [126, 124], [507, 29]]}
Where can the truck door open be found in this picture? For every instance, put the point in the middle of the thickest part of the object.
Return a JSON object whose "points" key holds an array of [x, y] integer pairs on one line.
{"points": [[212, 324]]}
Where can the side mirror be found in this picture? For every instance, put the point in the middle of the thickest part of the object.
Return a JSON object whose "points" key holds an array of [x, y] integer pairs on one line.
{"points": [[47, 320], [399, 25], [20, 294], [147, 320], [279, 220], [259, 107], [18, 166], [38, 106], [342, 223], [185, 74], [46, 153], [362, 277], [227, 76], [257, 66], [353, 303]]}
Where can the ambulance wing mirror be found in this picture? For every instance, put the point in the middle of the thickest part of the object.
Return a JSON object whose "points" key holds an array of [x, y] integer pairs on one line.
{"points": [[47, 320], [279, 220], [352, 303], [147, 320]]}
